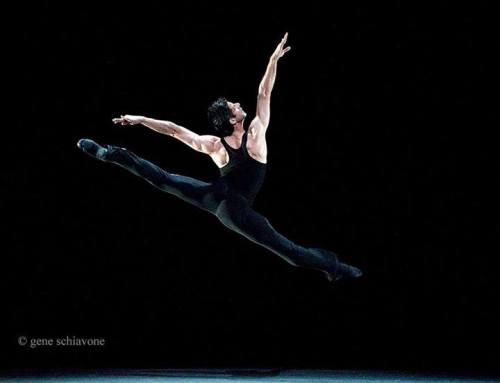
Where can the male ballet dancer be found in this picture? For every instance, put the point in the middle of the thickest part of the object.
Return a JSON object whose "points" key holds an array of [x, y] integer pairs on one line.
{"points": [[241, 156]]}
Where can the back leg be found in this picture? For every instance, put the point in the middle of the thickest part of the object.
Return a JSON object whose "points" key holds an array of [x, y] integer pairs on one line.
{"points": [[238, 216]]}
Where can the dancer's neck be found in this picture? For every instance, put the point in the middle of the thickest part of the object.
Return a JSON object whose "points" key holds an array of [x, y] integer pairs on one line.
{"points": [[238, 130]]}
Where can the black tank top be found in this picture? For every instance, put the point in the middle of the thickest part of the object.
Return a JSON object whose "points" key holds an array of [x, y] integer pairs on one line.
{"points": [[243, 173]]}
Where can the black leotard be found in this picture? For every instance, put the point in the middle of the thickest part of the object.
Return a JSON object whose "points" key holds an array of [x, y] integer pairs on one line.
{"points": [[243, 173]]}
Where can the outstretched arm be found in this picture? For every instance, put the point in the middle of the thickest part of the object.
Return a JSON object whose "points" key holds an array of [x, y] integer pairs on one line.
{"points": [[263, 113], [205, 144]]}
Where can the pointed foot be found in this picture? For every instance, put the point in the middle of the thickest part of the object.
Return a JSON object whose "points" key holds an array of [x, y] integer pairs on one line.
{"points": [[328, 262], [349, 271], [343, 271], [92, 148]]}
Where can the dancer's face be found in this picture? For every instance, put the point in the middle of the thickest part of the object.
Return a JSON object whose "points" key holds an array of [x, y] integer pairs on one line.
{"points": [[238, 113]]}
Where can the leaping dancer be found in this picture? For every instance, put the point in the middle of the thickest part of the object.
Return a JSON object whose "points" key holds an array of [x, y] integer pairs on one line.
{"points": [[241, 156]]}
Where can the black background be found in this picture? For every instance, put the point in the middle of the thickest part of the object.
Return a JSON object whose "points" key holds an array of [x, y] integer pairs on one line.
{"points": [[381, 148]]}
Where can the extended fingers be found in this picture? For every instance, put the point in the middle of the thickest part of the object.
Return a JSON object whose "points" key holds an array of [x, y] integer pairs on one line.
{"points": [[282, 53], [121, 120], [283, 41]]}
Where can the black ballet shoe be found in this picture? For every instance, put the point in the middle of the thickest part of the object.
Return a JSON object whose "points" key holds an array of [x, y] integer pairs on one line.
{"points": [[92, 148], [336, 270], [332, 277], [345, 270]]}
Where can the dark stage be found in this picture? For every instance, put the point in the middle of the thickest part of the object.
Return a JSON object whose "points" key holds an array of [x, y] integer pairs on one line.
{"points": [[381, 147]]}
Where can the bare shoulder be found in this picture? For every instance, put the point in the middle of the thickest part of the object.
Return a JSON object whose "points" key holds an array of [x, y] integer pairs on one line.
{"points": [[203, 143], [216, 145], [256, 142], [219, 153], [257, 130], [210, 141], [210, 138], [216, 142]]}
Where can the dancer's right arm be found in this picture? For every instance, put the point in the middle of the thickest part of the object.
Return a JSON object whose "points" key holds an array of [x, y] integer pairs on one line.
{"points": [[206, 144]]}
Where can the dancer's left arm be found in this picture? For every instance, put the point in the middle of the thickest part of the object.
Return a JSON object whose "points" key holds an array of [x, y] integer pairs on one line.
{"points": [[261, 121], [202, 143]]}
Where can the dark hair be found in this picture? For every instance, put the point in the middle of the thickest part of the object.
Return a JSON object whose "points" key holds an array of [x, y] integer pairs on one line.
{"points": [[219, 115]]}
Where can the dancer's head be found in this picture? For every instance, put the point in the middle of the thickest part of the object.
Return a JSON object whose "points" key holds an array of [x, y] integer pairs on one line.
{"points": [[223, 115]]}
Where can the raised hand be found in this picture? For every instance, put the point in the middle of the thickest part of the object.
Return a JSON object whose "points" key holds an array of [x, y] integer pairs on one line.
{"points": [[128, 120], [280, 49]]}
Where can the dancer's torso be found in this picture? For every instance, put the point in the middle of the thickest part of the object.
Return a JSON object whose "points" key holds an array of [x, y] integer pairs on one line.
{"points": [[242, 173]]}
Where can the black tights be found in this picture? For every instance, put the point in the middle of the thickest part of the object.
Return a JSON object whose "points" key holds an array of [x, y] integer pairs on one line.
{"points": [[232, 209]]}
